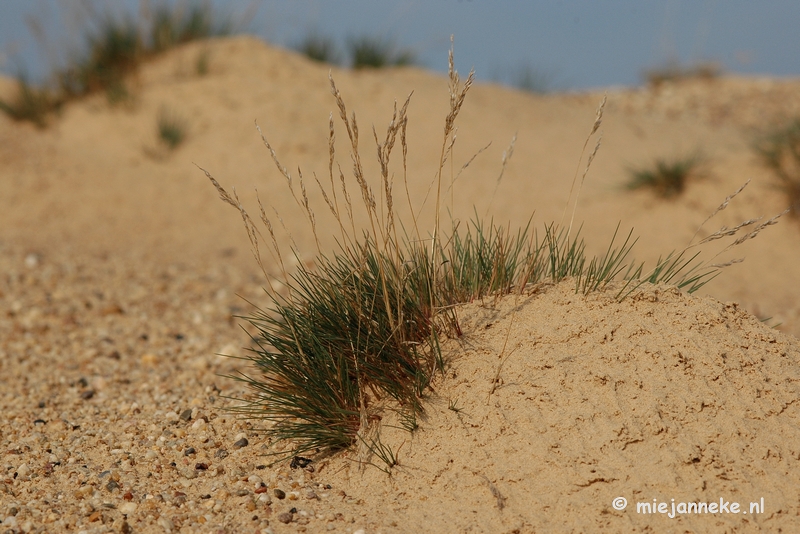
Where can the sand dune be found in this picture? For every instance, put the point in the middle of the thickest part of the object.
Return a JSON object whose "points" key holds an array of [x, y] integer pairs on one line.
{"points": [[121, 270]]}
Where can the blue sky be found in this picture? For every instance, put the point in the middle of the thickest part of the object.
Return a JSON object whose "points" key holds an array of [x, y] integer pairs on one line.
{"points": [[572, 44]]}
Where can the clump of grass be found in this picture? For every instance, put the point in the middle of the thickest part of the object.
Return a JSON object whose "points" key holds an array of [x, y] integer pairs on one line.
{"points": [[360, 331], [30, 103], [194, 21], [779, 150], [320, 48], [201, 65], [114, 51], [673, 71], [526, 77], [172, 128], [667, 178], [115, 46], [532, 80], [377, 52]]}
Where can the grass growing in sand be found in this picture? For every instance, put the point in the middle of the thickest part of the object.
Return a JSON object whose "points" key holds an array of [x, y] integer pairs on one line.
{"points": [[779, 149], [171, 128], [31, 103], [674, 71], [114, 48], [360, 332], [377, 52], [318, 47], [667, 178]]}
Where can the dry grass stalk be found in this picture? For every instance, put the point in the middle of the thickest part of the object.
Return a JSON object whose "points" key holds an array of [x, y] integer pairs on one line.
{"points": [[598, 120], [507, 153], [721, 207]]}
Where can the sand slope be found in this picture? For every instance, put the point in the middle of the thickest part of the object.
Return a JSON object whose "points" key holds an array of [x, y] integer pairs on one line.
{"points": [[662, 396], [120, 272]]}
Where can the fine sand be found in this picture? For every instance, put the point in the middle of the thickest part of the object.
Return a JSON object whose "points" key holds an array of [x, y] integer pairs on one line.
{"points": [[122, 275]]}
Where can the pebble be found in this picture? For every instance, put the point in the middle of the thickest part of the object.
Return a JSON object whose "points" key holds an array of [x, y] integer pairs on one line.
{"points": [[241, 443], [127, 508], [285, 517], [200, 424], [166, 523], [280, 494], [188, 451], [186, 415], [23, 470], [221, 453]]}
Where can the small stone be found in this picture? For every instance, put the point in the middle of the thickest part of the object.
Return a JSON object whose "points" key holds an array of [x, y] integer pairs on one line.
{"points": [[261, 489], [166, 523], [95, 516], [88, 394], [200, 424], [241, 443], [201, 466], [112, 485], [280, 494], [23, 470], [128, 496], [285, 517], [188, 451], [311, 495], [172, 417], [241, 492], [125, 528], [221, 453], [293, 495], [186, 415], [149, 359], [127, 508]]}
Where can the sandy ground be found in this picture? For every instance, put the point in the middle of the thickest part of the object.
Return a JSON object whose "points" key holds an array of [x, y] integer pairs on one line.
{"points": [[122, 276]]}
